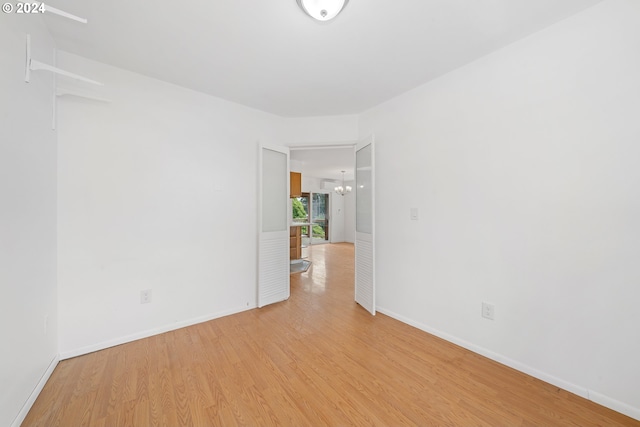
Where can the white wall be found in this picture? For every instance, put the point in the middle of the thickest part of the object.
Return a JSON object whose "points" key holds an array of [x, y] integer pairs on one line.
{"points": [[336, 232], [311, 184], [350, 214], [524, 165], [318, 130], [27, 218], [336, 207], [157, 190]]}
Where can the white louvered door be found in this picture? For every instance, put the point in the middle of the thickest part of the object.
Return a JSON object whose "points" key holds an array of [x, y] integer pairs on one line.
{"points": [[365, 291], [273, 225]]}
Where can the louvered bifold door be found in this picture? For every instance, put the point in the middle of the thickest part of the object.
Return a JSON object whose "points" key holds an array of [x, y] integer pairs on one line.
{"points": [[273, 225], [365, 287]]}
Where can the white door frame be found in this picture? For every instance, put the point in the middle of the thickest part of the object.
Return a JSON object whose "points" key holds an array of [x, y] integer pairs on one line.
{"points": [[364, 286]]}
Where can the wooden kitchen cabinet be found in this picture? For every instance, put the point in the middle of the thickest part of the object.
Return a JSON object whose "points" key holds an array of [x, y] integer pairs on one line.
{"points": [[295, 185], [295, 243]]}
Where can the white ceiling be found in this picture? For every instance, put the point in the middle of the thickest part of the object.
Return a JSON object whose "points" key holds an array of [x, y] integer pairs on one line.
{"points": [[267, 54], [326, 163]]}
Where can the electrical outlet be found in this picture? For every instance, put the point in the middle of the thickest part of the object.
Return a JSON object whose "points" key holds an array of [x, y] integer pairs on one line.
{"points": [[145, 296], [488, 311]]}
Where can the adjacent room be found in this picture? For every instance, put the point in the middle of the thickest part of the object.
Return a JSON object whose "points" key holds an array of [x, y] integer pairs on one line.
{"points": [[480, 269]]}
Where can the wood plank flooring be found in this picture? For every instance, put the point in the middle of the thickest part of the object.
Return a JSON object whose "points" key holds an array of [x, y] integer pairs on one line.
{"points": [[317, 359]]}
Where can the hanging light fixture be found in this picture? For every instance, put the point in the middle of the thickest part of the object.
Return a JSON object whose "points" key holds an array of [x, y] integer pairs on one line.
{"points": [[322, 10], [342, 189]]}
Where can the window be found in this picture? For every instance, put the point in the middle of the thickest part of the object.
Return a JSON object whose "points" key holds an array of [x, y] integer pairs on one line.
{"points": [[300, 206], [320, 216], [312, 209]]}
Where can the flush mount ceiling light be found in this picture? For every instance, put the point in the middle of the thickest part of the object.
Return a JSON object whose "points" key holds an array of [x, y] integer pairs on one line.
{"points": [[322, 10]]}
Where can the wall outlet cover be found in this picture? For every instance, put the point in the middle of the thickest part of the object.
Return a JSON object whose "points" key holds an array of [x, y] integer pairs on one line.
{"points": [[145, 296], [488, 311]]}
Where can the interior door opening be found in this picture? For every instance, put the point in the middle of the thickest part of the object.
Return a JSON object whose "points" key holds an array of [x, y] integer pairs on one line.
{"points": [[325, 215]]}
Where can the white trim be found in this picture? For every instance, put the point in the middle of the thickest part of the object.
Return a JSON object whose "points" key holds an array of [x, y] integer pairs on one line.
{"points": [[584, 392], [149, 333], [324, 146], [36, 392], [614, 404]]}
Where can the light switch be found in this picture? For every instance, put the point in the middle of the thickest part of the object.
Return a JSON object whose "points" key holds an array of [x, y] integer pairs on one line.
{"points": [[413, 214]]}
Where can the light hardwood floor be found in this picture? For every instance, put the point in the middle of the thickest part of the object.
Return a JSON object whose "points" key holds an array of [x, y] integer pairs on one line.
{"points": [[317, 359]]}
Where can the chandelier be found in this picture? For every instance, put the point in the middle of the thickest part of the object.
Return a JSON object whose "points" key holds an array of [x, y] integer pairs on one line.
{"points": [[342, 189]]}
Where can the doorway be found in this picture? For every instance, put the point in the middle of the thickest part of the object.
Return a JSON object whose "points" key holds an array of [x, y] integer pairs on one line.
{"points": [[310, 162], [360, 231], [330, 219], [322, 210]]}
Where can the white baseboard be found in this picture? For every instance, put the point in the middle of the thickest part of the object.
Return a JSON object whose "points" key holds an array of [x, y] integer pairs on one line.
{"points": [[148, 333], [600, 399], [616, 405], [36, 392]]}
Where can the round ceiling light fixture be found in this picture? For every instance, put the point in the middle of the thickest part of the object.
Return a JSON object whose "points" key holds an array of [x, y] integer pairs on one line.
{"points": [[322, 10]]}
